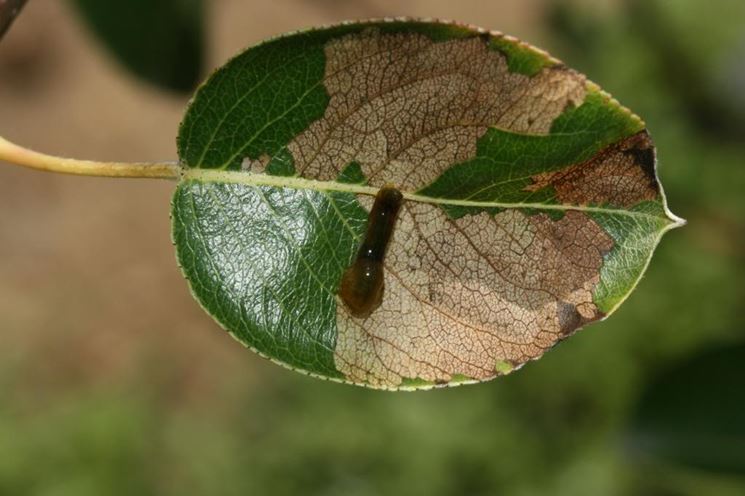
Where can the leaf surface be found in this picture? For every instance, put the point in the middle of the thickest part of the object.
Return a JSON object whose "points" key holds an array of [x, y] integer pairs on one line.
{"points": [[532, 205]]}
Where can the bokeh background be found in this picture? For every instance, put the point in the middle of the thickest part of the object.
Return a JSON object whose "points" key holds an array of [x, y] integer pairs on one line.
{"points": [[113, 381]]}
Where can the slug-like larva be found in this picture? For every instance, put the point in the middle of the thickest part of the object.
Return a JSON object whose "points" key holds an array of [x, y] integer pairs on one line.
{"points": [[362, 283]]}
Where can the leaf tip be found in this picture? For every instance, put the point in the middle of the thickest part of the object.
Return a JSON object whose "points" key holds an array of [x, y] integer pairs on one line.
{"points": [[678, 221]]}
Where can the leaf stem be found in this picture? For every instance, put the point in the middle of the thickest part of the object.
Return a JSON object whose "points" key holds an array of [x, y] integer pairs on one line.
{"points": [[18, 155]]}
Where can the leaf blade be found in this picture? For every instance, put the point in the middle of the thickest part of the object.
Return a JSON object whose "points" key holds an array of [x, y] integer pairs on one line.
{"points": [[512, 231]]}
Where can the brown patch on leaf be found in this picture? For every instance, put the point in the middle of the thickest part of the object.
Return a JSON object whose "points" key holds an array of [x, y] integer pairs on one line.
{"points": [[622, 175], [257, 166], [570, 318], [464, 294], [460, 295], [406, 108]]}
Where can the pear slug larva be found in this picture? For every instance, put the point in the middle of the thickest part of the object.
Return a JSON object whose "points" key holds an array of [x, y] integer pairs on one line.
{"points": [[362, 283]]}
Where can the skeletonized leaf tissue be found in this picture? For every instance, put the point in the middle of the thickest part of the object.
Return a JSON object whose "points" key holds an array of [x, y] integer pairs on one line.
{"points": [[531, 204]]}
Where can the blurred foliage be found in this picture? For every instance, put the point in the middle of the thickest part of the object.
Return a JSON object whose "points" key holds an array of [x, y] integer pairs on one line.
{"points": [[9, 10], [161, 41], [702, 67], [693, 413], [556, 427]]}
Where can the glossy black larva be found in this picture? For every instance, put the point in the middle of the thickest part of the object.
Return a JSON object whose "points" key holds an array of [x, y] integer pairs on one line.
{"points": [[361, 287]]}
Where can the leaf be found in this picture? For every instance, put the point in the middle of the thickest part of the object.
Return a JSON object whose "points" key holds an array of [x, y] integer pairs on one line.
{"points": [[692, 414], [9, 10], [161, 41], [531, 208]]}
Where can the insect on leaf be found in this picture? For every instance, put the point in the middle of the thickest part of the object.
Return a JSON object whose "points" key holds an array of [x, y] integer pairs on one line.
{"points": [[531, 201]]}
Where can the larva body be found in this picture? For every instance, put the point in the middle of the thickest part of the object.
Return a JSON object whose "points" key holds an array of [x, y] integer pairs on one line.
{"points": [[362, 283]]}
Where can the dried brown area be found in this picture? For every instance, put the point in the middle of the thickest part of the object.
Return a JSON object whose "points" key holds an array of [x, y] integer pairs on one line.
{"points": [[257, 166], [407, 108], [622, 175], [462, 295]]}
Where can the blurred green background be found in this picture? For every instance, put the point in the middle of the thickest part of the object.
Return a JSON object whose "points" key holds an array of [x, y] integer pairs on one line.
{"points": [[113, 381]]}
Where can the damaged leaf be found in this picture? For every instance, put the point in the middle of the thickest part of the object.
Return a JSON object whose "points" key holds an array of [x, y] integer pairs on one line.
{"points": [[531, 201]]}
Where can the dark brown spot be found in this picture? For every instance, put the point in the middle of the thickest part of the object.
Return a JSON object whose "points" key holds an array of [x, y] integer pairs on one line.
{"points": [[569, 318], [643, 153], [622, 174]]}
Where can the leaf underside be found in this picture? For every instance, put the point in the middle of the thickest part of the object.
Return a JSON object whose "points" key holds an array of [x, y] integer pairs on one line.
{"points": [[532, 204]]}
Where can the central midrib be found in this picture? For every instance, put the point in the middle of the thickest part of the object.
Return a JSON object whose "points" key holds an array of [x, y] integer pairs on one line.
{"points": [[295, 182]]}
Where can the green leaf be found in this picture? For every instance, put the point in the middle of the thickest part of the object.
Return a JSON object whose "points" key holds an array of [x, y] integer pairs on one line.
{"points": [[692, 413], [9, 10], [161, 41], [532, 204]]}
